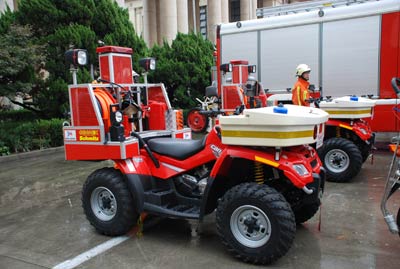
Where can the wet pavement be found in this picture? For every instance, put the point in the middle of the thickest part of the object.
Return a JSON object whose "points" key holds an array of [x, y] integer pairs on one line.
{"points": [[42, 224]]}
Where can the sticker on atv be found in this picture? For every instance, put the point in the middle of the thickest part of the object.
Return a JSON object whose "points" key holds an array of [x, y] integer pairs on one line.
{"points": [[216, 150]]}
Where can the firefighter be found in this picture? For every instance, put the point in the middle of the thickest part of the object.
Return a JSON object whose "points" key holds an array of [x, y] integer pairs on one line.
{"points": [[300, 93]]}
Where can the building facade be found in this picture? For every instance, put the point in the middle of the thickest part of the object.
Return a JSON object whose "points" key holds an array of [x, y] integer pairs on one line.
{"points": [[157, 20], [12, 4]]}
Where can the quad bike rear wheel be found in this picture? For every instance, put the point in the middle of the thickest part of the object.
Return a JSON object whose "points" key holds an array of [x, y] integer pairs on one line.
{"points": [[255, 223], [107, 202], [341, 158], [196, 121]]}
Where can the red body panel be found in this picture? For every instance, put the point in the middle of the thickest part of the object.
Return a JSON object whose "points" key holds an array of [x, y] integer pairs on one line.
{"points": [[390, 53], [137, 165], [231, 98], [213, 144], [289, 156], [240, 72], [223, 155], [82, 108], [87, 151], [156, 115], [115, 64], [107, 49], [360, 127], [384, 119], [155, 94]]}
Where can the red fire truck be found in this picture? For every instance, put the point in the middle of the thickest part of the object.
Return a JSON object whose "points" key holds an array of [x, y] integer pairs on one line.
{"points": [[353, 48]]}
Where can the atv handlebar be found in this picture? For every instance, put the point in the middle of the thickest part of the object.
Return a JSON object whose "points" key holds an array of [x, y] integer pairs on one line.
{"points": [[395, 85], [239, 110], [316, 101], [211, 113]]}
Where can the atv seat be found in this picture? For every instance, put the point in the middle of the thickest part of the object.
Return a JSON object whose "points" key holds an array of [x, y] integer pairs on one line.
{"points": [[176, 148]]}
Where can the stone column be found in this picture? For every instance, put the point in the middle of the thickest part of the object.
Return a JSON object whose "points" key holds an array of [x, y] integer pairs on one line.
{"points": [[183, 16], [197, 12], [253, 11], [191, 16], [214, 18], [269, 3], [168, 20], [248, 9], [149, 22], [224, 11]]}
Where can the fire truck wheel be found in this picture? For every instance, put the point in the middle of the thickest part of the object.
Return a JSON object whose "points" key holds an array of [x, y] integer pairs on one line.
{"points": [[255, 223], [306, 212], [107, 202], [341, 158], [196, 121]]}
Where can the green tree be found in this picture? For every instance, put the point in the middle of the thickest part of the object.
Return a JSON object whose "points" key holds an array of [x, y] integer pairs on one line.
{"points": [[184, 67], [6, 19], [58, 24], [19, 57]]}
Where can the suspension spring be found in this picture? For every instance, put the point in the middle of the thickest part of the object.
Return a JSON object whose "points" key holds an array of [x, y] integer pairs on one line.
{"points": [[337, 132], [258, 173]]}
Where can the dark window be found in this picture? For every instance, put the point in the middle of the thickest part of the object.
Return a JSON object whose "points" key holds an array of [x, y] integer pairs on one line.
{"points": [[203, 21], [234, 14]]}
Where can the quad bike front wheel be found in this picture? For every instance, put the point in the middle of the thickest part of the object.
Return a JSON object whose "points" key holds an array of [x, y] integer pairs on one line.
{"points": [[107, 202], [196, 121], [341, 158], [255, 223], [306, 212], [365, 150]]}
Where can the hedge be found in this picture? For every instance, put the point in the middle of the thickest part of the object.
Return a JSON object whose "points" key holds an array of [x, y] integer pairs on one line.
{"points": [[17, 115], [26, 136]]}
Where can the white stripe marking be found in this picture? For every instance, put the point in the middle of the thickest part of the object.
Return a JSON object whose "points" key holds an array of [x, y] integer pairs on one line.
{"points": [[85, 256], [130, 165]]}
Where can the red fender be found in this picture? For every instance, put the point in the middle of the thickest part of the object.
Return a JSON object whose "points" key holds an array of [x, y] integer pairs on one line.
{"points": [[360, 127], [223, 163]]}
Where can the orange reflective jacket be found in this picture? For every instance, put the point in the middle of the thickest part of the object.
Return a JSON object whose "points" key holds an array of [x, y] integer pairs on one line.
{"points": [[300, 92]]}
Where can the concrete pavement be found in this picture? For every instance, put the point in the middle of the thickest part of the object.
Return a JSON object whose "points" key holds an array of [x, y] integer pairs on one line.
{"points": [[42, 224]]}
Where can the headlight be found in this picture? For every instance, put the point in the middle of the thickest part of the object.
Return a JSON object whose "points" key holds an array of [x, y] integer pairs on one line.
{"points": [[300, 169], [148, 64], [226, 68], [363, 131], [118, 117], [251, 68], [76, 57], [82, 57]]}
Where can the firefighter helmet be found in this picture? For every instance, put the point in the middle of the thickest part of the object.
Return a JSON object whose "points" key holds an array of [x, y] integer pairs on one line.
{"points": [[302, 68]]}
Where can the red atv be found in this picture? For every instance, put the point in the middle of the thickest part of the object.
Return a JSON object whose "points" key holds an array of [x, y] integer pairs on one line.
{"points": [[348, 137], [239, 88], [257, 191], [202, 118]]}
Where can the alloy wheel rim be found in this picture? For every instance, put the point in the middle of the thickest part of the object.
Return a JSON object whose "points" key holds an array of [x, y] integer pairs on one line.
{"points": [[103, 204], [250, 226], [337, 160]]}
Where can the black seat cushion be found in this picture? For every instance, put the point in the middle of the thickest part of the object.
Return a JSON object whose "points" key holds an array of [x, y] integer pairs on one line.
{"points": [[176, 148]]}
